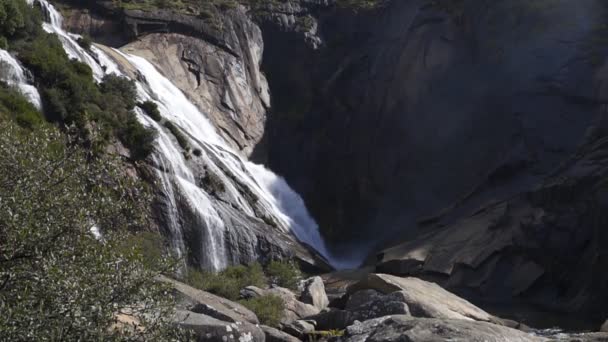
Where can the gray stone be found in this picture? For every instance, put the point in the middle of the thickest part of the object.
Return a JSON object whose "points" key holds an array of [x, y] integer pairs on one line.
{"points": [[314, 293], [604, 327]]}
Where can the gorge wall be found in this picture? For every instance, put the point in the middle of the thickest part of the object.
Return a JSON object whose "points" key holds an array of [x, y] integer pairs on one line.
{"points": [[472, 130]]}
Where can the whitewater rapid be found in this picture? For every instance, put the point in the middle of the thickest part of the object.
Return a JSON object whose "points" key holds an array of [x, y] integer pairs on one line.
{"points": [[274, 196]]}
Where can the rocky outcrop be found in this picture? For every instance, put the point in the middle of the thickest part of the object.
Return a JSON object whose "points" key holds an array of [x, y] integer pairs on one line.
{"points": [[425, 299], [206, 303]]}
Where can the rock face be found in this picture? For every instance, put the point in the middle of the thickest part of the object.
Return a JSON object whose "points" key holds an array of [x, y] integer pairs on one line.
{"points": [[406, 110], [405, 328], [540, 244], [219, 71]]}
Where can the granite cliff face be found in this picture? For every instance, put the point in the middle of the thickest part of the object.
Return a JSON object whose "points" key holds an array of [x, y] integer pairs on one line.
{"points": [[474, 131]]}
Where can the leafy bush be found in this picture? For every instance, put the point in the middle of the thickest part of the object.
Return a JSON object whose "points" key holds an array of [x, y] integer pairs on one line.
{"points": [[269, 309], [229, 282], [151, 109], [59, 282], [284, 273]]}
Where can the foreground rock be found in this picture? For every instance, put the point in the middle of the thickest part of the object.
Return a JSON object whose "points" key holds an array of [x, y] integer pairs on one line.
{"points": [[201, 302], [604, 327], [314, 293], [406, 328], [210, 329], [424, 299]]}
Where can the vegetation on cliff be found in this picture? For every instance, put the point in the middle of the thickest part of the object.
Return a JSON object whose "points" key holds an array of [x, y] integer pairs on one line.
{"points": [[69, 93]]}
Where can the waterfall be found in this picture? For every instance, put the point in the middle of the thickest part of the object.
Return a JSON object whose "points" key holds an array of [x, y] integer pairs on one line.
{"points": [[14, 75], [240, 179]]}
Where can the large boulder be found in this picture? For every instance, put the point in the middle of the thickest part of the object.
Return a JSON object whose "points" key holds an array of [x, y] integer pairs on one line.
{"points": [[206, 303], [425, 299], [294, 309], [410, 329], [314, 293], [210, 329]]}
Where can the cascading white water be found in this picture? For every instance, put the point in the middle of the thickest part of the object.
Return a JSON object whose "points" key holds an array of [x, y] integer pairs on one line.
{"points": [[274, 198], [14, 75]]}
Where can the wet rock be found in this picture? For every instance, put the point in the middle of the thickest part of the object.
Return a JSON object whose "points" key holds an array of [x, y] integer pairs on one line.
{"points": [[210, 329], [424, 299], [275, 335], [411, 329], [314, 293]]}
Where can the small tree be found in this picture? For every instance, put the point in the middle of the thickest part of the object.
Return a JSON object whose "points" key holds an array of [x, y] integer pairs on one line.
{"points": [[58, 281]]}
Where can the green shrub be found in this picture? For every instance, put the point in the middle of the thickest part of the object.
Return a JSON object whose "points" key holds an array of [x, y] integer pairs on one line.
{"points": [[269, 309], [136, 137], [284, 273], [151, 109], [179, 136], [229, 282], [212, 183]]}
